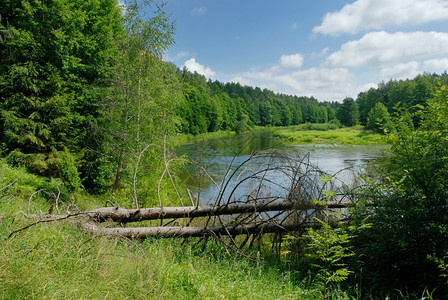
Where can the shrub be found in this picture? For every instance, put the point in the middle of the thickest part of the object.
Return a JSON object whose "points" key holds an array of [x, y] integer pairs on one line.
{"points": [[409, 231]]}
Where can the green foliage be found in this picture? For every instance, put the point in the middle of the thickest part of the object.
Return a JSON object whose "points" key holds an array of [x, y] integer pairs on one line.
{"points": [[378, 118], [213, 106], [409, 225], [58, 53], [138, 107], [404, 93], [325, 250], [68, 170], [61, 164], [18, 182], [348, 113]]}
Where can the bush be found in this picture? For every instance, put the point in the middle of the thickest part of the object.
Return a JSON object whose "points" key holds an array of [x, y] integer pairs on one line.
{"points": [[409, 232], [17, 181]]}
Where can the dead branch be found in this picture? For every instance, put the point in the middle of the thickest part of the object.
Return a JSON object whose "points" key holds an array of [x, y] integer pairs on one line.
{"points": [[8, 185], [29, 200], [123, 215], [178, 231], [46, 219]]}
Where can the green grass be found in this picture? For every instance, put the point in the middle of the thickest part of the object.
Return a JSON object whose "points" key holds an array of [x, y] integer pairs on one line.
{"points": [[306, 134], [58, 260], [342, 136]]}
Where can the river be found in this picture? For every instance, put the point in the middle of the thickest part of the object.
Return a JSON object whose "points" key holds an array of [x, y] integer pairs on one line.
{"points": [[221, 156]]}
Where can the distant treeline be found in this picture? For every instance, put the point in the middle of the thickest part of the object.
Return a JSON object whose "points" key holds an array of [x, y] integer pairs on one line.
{"points": [[409, 94], [209, 106], [212, 106]]}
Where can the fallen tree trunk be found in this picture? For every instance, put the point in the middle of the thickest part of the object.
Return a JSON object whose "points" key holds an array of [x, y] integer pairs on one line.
{"points": [[178, 231], [123, 215]]}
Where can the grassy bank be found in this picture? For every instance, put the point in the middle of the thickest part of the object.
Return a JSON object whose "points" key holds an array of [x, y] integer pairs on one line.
{"points": [[58, 260], [305, 134], [322, 134]]}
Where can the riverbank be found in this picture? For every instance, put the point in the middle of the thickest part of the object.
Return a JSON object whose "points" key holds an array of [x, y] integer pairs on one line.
{"points": [[57, 260], [315, 134], [304, 134]]}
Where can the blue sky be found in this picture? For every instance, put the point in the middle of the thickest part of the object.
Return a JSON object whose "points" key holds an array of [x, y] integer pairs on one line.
{"points": [[329, 49]]}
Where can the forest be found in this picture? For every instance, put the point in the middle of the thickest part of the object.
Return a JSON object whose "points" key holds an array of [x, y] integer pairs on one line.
{"points": [[90, 113]]}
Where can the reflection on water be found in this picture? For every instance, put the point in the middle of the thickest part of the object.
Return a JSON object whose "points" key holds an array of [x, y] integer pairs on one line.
{"points": [[221, 156], [342, 160]]}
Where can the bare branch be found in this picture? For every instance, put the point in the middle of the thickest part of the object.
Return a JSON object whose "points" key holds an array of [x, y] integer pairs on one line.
{"points": [[9, 184]]}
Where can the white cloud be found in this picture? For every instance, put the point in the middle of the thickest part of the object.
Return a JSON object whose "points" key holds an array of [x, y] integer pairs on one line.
{"points": [[294, 25], [400, 71], [382, 48], [199, 11], [436, 65], [241, 80], [333, 84], [326, 83], [377, 14], [178, 55], [194, 66], [322, 53], [291, 61]]}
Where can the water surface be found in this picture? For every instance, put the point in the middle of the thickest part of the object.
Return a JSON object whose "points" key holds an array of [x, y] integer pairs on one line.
{"points": [[221, 156]]}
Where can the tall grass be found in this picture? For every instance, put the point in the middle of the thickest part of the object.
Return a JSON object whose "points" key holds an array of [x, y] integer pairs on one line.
{"points": [[60, 261]]}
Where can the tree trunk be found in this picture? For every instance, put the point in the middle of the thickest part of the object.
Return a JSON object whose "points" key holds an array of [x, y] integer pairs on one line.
{"points": [[123, 215], [177, 231]]}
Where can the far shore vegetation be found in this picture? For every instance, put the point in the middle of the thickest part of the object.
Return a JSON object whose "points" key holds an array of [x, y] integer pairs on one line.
{"points": [[316, 133]]}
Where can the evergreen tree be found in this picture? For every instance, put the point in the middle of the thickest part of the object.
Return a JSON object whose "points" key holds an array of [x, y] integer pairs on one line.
{"points": [[58, 53], [348, 113], [366, 100]]}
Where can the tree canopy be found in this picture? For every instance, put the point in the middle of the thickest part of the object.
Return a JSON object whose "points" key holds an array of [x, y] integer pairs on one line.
{"points": [[51, 66]]}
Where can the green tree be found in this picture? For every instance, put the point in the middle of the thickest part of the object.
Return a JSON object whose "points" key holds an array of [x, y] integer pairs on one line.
{"points": [[323, 114], [296, 114], [378, 118], [4, 31], [138, 110], [365, 101], [215, 118], [266, 114], [51, 68], [331, 113], [348, 113]]}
